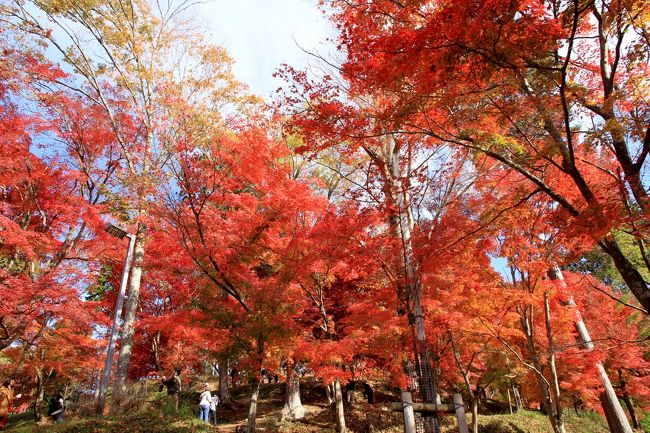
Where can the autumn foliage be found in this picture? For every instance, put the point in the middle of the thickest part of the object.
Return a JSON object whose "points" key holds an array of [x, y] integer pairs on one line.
{"points": [[411, 205]]}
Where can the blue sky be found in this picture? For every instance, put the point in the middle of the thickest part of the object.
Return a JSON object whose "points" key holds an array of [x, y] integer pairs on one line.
{"points": [[262, 34]]}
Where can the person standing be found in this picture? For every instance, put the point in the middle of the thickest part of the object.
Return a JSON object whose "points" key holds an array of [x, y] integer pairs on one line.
{"points": [[6, 401], [204, 405], [214, 402], [173, 385], [57, 408]]}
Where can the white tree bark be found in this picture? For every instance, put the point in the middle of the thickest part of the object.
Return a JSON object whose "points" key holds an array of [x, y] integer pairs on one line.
{"points": [[401, 198], [340, 413], [128, 327], [293, 408], [616, 419]]}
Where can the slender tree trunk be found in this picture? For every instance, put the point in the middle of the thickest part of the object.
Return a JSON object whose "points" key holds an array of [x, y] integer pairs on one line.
{"points": [[509, 401], [616, 418], [329, 391], [518, 402], [224, 393], [474, 404], [95, 383], [626, 399], [399, 196], [128, 327], [528, 327], [155, 349], [340, 413], [38, 397], [628, 271], [557, 422], [252, 409], [293, 408]]}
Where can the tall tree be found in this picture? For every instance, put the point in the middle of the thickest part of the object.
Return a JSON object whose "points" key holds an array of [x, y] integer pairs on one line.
{"points": [[474, 75], [135, 58]]}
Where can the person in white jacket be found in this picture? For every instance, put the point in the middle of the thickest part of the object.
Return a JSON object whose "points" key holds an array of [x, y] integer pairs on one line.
{"points": [[213, 409], [204, 405]]}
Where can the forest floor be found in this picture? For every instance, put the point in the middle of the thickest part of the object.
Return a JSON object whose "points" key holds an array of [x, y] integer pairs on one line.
{"points": [[156, 416]]}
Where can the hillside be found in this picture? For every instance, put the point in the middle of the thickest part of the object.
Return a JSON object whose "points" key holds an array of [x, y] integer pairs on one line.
{"points": [[156, 416]]}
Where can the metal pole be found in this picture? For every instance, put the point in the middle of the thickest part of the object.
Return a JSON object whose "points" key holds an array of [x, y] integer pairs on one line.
{"points": [[103, 384]]}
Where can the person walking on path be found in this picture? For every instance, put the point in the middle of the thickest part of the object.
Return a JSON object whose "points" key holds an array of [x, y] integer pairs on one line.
{"points": [[173, 385], [6, 401], [204, 405], [214, 402]]}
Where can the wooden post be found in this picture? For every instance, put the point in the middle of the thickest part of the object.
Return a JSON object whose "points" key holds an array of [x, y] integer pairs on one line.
{"points": [[460, 413], [409, 415]]}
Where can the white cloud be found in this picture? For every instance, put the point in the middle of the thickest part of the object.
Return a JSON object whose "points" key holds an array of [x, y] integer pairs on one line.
{"points": [[262, 34]]}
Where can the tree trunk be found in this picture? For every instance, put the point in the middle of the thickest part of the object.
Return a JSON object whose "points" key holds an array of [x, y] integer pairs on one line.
{"points": [[399, 196], [474, 404], [329, 391], [628, 271], [626, 399], [155, 349], [518, 402], [340, 414], [556, 418], [128, 327], [38, 397], [293, 408], [117, 316], [616, 418], [252, 410], [527, 325], [224, 393], [509, 401]]}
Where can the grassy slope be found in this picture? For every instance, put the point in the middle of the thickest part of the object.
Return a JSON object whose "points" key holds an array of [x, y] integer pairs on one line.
{"points": [[157, 417]]}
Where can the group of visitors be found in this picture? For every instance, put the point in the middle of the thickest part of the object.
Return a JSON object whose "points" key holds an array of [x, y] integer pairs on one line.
{"points": [[56, 407], [208, 406], [207, 402], [350, 389]]}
